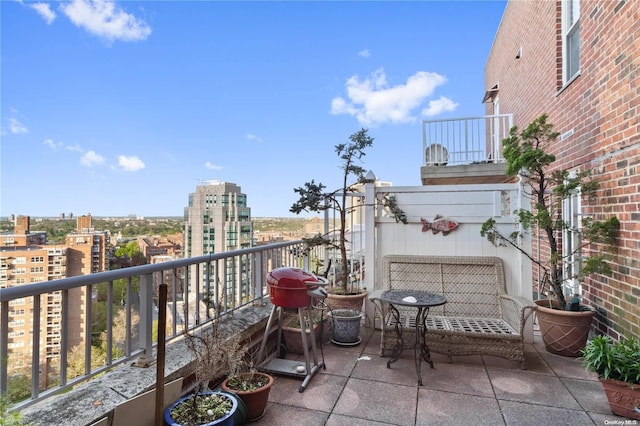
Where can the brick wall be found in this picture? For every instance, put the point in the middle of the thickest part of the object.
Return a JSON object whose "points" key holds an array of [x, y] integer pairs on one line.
{"points": [[599, 113]]}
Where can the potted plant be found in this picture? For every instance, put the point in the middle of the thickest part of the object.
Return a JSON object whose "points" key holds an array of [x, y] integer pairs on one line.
{"points": [[344, 290], [617, 364], [218, 354], [253, 388], [291, 331], [564, 326], [314, 198]]}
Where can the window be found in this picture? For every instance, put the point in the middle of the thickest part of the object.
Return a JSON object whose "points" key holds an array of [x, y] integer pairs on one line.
{"points": [[37, 259], [571, 243], [570, 39]]}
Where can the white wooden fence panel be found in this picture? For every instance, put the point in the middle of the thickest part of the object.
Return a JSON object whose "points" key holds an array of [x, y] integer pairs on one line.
{"points": [[470, 206]]}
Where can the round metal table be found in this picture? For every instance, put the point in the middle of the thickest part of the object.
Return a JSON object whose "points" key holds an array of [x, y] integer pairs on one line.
{"points": [[422, 301]]}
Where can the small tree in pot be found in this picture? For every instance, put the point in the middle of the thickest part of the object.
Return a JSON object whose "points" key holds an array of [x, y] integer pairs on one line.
{"points": [[527, 156], [314, 198]]}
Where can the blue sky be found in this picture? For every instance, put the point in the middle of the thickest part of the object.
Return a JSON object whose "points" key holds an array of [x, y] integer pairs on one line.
{"points": [[122, 107]]}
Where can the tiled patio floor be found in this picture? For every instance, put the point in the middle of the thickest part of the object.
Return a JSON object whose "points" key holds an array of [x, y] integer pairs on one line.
{"points": [[357, 389]]}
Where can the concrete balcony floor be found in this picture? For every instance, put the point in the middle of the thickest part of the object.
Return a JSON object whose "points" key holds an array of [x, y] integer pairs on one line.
{"points": [[357, 389]]}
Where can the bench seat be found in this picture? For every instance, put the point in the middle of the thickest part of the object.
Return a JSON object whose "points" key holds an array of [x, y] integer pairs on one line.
{"points": [[478, 318]]}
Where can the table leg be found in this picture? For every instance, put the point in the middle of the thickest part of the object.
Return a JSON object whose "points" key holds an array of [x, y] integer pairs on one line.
{"points": [[399, 346]]}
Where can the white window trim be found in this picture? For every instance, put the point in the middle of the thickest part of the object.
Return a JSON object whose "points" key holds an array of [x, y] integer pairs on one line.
{"points": [[567, 29], [571, 238]]}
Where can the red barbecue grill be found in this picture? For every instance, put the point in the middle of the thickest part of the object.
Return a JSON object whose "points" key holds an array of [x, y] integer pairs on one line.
{"points": [[291, 288]]}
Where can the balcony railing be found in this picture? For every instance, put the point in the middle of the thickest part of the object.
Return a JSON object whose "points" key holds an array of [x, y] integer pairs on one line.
{"points": [[464, 140], [226, 282]]}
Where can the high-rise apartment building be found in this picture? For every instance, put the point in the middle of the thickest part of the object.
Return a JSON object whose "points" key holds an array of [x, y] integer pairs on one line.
{"points": [[355, 204], [25, 258], [217, 220]]}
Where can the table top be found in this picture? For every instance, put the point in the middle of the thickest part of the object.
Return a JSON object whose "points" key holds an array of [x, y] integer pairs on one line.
{"points": [[407, 297]]}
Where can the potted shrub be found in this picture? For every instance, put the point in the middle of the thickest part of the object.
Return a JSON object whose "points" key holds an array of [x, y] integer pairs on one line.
{"points": [[344, 290], [218, 354], [345, 296], [617, 364], [253, 388], [564, 326]]}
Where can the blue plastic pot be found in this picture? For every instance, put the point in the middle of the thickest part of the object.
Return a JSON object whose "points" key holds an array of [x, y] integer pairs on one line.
{"points": [[228, 420]]}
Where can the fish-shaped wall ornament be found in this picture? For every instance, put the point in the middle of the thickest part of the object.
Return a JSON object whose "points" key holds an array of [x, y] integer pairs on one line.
{"points": [[439, 224]]}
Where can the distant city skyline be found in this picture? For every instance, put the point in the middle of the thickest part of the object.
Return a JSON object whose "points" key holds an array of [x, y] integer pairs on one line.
{"points": [[120, 108]]}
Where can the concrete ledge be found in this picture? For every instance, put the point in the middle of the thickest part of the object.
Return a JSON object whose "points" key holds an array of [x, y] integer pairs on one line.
{"points": [[98, 398]]}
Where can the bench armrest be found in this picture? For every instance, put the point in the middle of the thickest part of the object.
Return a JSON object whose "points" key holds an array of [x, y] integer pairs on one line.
{"points": [[374, 296], [516, 310], [381, 311]]}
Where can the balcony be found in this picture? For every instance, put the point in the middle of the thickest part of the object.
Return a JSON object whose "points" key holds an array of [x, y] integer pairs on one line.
{"points": [[464, 151], [356, 386]]}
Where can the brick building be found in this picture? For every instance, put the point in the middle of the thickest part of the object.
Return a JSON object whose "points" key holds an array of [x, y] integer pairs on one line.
{"points": [[579, 62], [26, 258]]}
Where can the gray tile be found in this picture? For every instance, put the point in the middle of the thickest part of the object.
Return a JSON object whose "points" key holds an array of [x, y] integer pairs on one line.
{"points": [[531, 387], [357, 389], [402, 372], [382, 402], [446, 408], [534, 363], [321, 393], [567, 366], [590, 395], [340, 360], [286, 415], [459, 378], [340, 420], [523, 414]]}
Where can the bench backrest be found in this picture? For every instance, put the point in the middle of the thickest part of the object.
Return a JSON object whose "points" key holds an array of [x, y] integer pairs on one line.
{"points": [[471, 284]]}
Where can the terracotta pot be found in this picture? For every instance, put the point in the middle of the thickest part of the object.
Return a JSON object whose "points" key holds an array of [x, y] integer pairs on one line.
{"points": [[255, 400], [622, 398], [563, 332], [293, 338], [342, 301]]}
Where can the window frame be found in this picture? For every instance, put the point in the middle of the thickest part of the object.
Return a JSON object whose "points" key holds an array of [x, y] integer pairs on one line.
{"points": [[571, 243], [570, 30]]}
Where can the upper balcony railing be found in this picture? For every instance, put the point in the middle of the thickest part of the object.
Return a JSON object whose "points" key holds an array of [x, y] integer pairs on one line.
{"points": [[461, 141], [226, 282]]}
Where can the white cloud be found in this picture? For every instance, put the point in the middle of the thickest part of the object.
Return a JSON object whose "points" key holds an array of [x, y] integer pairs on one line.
{"points": [[373, 101], [439, 106], [17, 127], [104, 19], [252, 137], [130, 164], [51, 144], [60, 145], [44, 10], [91, 158], [364, 53], [209, 165], [73, 148]]}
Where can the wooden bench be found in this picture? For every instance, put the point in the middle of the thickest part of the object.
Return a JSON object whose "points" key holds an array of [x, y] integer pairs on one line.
{"points": [[478, 318]]}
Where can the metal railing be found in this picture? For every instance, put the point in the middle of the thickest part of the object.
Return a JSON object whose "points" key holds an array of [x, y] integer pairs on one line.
{"points": [[226, 282], [465, 140]]}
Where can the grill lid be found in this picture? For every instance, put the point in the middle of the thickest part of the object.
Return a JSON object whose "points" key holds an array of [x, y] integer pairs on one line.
{"points": [[292, 278]]}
